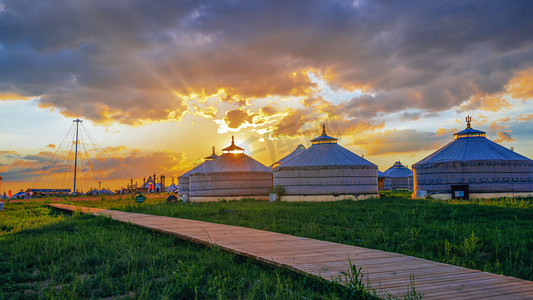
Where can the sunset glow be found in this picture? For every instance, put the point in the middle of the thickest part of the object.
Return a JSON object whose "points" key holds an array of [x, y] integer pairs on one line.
{"points": [[159, 84]]}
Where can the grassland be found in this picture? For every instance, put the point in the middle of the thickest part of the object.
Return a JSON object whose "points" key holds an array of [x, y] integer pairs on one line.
{"points": [[44, 253], [490, 235]]}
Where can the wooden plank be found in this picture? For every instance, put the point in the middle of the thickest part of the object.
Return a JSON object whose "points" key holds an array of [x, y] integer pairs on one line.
{"points": [[387, 273]]}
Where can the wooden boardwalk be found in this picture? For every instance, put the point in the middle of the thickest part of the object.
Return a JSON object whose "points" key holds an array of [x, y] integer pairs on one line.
{"points": [[387, 273]]}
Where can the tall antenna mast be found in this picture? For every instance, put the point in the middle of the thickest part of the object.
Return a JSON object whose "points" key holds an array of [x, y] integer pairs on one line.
{"points": [[78, 121]]}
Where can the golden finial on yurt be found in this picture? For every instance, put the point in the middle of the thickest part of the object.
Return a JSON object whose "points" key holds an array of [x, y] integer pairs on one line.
{"points": [[468, 120], [213, 149], [324, 129]]}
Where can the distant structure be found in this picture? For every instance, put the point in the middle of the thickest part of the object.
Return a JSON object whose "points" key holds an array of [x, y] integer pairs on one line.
{"points": [[231, 176], [152, 185], [384, 181], [326, 172], [183, 180], [401, 178], [472, 166], [299, 149]]}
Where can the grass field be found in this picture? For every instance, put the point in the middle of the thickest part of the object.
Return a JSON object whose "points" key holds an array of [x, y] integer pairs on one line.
{"points": [[490, 235], [44, 253]]}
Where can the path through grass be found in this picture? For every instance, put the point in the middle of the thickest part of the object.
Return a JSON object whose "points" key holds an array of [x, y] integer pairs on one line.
{"points": [[490, 235], [44, 254]]}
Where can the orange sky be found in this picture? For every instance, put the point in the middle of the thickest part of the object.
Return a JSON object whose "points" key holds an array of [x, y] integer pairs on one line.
{"points": [[159, 85]]}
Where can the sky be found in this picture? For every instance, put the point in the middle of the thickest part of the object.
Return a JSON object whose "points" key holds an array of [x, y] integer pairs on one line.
{"points": [[158, 83]]}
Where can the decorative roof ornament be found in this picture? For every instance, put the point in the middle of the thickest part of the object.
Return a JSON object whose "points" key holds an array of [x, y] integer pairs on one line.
{"points": [[324, 138], [468, 120], [469, 132], [212, 156], [233, 148]]}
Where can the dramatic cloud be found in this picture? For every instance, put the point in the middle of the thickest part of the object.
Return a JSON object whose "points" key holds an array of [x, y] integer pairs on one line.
{"points": [[236, 118], [521, 85], [134, 61]]}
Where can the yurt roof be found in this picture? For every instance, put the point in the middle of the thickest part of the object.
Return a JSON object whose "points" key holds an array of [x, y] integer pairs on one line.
{"points": [[471, 145], [203, 167], [325, 154], [398, 170], [233, 160], [299, 149], [381, 174]]}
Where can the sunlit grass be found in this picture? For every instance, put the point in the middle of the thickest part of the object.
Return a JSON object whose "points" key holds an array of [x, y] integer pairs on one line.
{"points": [[45, 254], [83, 256], [490, 235]]}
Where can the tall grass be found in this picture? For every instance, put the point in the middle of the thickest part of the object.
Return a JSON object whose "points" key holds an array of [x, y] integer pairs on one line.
{"points": [[489, 235], [82, 256]]}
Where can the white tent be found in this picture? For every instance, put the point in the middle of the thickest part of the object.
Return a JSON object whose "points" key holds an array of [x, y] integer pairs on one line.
{"points": [[326, 171], [474, 164], [233, 175]]}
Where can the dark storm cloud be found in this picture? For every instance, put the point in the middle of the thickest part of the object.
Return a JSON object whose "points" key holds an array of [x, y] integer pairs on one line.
{"points": [[122, 60]]}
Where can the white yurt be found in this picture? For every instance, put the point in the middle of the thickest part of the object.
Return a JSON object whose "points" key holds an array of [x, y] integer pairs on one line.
{"points": [[325, 172], [232, 176], [183, 180], [384, 181], [472, 166], [401, 178], [299, 149]]}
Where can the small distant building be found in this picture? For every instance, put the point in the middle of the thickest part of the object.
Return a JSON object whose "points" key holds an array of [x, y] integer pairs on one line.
{"points": [[401, 178], [299, 149], [231, 176], [183, 180], [326, 172], [472, 166], [384, 181]]}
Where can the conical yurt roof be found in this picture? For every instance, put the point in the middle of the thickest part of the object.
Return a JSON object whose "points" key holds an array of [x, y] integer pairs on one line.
{"points": [[299, 149], [233, 159], [203, 167], [382, 174], [472, 145], [325, 152], [398, 170]]}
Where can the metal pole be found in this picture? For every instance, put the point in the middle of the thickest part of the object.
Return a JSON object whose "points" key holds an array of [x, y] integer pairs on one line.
{"points": [[76, 153]]}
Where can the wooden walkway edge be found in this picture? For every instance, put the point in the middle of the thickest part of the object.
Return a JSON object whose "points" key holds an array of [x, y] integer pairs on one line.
{"points": [[385, 272]]}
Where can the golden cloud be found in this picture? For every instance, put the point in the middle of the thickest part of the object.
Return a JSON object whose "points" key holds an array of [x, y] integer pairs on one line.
{"points": [[6, 96], [525, 117], [504, 136], [521, 85], [236, 118]]}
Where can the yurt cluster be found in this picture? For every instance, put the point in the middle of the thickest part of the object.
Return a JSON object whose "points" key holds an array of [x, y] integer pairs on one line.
{"points": [[470, 166]]}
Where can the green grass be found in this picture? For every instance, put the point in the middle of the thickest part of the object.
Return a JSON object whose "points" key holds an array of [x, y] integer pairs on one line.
{"points": [[50, 255], [45, 254], [490, 235]]}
